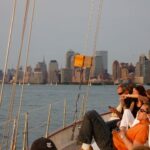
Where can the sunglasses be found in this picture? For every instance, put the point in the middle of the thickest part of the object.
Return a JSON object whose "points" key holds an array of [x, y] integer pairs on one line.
{"points": [[120, 93], [142, 110]]}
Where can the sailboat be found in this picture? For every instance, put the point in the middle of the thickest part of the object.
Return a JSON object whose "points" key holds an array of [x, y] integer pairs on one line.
{"points": [[65, 138]]}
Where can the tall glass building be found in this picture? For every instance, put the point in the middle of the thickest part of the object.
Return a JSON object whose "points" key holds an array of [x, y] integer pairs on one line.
{"points": [[69, 56], [53, 72], [104, 57]]}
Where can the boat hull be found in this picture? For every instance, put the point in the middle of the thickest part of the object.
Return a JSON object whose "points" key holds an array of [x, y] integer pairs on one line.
{"points": [[66, 138]]}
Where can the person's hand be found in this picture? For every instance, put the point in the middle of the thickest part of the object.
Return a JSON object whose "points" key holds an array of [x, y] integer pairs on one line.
{"points": [[122, 128], [112, 109], [122, 134], [123, 96]]}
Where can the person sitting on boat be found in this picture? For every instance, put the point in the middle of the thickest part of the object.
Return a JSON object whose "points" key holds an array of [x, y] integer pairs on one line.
{"points": [[93, 126], [139, 92], [118, 111], [132, 103], [43, 144]]}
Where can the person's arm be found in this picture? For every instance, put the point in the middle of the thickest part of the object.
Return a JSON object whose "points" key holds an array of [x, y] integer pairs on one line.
{"points": [[144, 99], [127, 142], [129, 95], [114, 110], [132, 106]]}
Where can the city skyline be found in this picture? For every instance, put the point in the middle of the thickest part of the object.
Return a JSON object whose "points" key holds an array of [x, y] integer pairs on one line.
{"points": [[124, 30], [69, 64], [66, 63], [82, 69]]}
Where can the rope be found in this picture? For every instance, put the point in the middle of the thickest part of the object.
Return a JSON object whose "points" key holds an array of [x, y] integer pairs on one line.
{"points": [[12, 97], [94, 50], [97, 25], [8, 49], [7, 55], [90, 16], [99, 12], [76, 104], [35, 129], [27, 57]]}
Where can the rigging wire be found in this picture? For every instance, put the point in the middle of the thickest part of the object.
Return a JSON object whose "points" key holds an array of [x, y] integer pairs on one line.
{"points": [[97, 25], [6, 58], [8, 49], [16, 76], [94, 52], [81, 69], [25, 70], [99, 14], [90, 16], [86, 47], [13, 92]]}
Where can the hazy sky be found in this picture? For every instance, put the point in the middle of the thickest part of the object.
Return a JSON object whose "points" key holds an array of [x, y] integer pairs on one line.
{"points": [[60, 25]]}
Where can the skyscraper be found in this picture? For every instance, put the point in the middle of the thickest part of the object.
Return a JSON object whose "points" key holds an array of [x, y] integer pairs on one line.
{"points": [[43, 70], [104, 56], [100, 61], [116, 70], [53, 72], [38, 76], [1, 74], [28, 74], [146, 71], [40, 73], [66, 75], [143, 69], [97, 67], [138, 70], [142, 59], [69, 58]]}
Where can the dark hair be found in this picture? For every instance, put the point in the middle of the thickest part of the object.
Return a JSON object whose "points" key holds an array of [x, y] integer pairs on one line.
{"points": [[127, 87], [43, 144], [141, 90], [130, 87], [148, 107], [128, 101]]}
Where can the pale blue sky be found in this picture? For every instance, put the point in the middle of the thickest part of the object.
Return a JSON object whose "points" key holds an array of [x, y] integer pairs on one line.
{"points": [[60, 25]]}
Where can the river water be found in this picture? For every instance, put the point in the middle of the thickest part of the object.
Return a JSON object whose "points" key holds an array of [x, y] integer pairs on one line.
{"points": [[36, 100]]}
